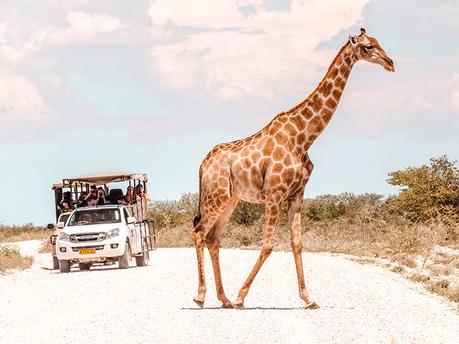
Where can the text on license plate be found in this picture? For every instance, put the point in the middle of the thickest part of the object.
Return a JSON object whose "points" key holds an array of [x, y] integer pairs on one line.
{"points": [[88, 251]]}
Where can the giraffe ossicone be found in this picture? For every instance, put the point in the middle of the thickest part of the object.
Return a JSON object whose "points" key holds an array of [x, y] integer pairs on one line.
{"points": [[270, 167]]}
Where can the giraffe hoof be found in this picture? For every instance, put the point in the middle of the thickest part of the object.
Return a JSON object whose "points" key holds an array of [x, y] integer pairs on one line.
{"points": [[198, 301], [312, 305], [227, 305], [238, 305]]}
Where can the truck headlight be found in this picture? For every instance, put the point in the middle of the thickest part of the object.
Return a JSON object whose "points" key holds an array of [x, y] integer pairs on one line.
{"points": [[113, 233], [64, 236]]}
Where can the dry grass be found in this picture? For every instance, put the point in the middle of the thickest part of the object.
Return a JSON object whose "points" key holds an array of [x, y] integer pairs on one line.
{"points": [[411, 248], [179, 236], [21, 233], [397, 269], [10, 258], [439, 286], [419, 278], [46, 247]]}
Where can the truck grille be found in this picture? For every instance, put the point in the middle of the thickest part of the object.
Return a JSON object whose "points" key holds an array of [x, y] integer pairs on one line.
{"points": [[87, 237], [96, 247]]}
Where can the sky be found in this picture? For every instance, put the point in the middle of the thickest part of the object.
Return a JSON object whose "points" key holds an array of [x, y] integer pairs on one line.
{"points": [[152, 86]]}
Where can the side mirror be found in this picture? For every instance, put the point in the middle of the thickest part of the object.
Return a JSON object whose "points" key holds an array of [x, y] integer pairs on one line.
{"points": [[131, 219], [52, 239], [60, 225], [50, 226]]}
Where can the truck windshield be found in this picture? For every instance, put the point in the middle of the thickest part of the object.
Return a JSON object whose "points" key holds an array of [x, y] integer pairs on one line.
{"points": [[90, 217], [63, 218]]}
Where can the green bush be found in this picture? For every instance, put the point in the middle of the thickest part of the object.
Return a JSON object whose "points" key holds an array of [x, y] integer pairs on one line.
{"points": [[427, 192], [348, 205], [247, 214], [174, 213]]}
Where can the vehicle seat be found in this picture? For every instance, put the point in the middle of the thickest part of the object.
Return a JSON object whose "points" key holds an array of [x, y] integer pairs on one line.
{"points": [[115, 195]]}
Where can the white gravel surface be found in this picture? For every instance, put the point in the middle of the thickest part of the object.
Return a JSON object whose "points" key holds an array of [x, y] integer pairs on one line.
{"points": [[359, 304]]}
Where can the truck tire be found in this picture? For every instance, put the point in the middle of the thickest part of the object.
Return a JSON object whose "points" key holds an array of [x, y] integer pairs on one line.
{"points": [[64, 266], [55, 263], [125, 259], [84, 266], [144, 258]]}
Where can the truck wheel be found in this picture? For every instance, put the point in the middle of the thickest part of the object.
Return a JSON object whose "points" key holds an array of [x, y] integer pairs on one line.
{"points": [[64, 266], [126, 258], [55, 263], [145, 257], [84, 266]]}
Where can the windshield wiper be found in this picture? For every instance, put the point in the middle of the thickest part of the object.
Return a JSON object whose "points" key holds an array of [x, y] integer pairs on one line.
{"points": [[83, 222]]}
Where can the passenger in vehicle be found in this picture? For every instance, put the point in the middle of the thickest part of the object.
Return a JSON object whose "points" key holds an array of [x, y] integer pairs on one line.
{"points": [[67, 202], [91, 199], [142, 198], [122, 200], [130, 195], [139, 191], [83, 199], [101, 198]]}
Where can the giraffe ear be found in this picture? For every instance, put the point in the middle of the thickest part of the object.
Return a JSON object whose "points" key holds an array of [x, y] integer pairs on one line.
{"points": [[362, 30], [353, 40]]}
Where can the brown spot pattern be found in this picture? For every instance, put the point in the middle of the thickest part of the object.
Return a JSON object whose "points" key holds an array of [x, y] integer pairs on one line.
{"points": [[331, 103], [326, 114], [290, 130], [298, 123], [337, 94], [315, 125], [307, 113], [326, 88], [334, 73]]}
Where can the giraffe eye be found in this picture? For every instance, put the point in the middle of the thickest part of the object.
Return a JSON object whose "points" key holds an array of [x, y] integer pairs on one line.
{"points": [[369, 47]]}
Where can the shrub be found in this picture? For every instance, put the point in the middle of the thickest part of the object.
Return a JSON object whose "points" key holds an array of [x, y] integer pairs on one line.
{"points": [[174, 213], [331, 207], [427, 192], [247, 214]]}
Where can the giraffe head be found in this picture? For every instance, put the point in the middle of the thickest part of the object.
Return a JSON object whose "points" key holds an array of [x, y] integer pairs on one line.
{"points": [[367, 48]]}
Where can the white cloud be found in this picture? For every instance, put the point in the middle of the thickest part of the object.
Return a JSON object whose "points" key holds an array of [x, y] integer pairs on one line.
{"points": [[229, 54], [21, 104], [454, 78], [82, 28], [455, 99]]}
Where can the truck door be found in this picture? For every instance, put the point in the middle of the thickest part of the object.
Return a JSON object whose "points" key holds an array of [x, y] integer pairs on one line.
{"points": [[134, 235]]}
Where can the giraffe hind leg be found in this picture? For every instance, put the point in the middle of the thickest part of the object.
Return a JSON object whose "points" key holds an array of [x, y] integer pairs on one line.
{"points": [[213, 245], [199, 234]]}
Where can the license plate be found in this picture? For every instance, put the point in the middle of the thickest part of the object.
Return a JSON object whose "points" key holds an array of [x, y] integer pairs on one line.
{"points": [[88, 251]]}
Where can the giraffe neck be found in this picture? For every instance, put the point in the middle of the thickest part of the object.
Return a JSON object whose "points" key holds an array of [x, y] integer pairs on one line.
{"points": [[316, 111]]}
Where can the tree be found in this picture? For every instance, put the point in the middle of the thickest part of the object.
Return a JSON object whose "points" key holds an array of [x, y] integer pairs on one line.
{"points": [[427, 192]]}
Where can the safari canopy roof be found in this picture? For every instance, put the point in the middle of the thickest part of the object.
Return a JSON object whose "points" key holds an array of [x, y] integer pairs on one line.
{"points": [[102, 178]]}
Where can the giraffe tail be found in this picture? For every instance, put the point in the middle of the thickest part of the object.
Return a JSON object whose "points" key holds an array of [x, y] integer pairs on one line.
{"points": [[196, 220]]}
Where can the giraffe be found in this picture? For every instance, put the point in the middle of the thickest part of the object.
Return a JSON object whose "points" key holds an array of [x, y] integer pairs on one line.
{"points": [[270, 167]]}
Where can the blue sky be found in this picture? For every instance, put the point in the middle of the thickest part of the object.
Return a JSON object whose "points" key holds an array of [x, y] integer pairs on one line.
{"points": [[152, 86]]}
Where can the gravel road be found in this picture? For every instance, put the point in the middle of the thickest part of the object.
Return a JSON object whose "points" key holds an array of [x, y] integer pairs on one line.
{"points": [[359, 304]]}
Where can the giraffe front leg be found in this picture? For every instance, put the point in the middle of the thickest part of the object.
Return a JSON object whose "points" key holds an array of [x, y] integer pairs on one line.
{"points": [[294, 213], [272, 212], [214, 249]]}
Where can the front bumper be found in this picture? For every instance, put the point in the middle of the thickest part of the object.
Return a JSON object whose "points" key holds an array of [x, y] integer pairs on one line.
{"points": [[104, 249]]}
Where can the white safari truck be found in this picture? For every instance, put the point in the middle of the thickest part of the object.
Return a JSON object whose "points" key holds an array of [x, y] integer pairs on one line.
{"points": [[115, 231]]}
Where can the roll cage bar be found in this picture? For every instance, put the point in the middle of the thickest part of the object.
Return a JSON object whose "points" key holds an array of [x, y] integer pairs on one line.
{"points": [[77, 185]]}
